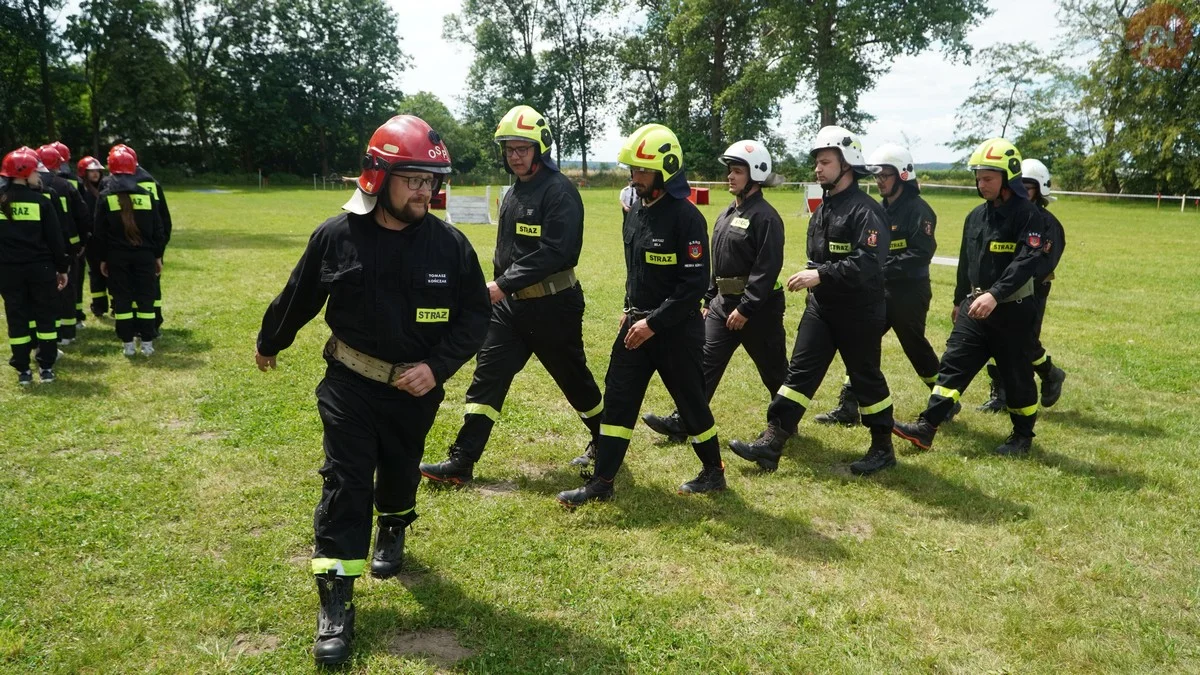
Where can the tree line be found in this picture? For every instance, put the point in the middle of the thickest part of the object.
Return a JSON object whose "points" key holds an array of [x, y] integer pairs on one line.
{"points": [[297, 86]]}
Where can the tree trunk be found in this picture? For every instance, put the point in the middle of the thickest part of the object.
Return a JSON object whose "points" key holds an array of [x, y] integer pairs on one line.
{"points": [[827, 102]]}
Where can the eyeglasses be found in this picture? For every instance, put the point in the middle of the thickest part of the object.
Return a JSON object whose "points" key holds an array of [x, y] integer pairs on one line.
{"points": [[416, 182], [518, 150], [886, 175]]}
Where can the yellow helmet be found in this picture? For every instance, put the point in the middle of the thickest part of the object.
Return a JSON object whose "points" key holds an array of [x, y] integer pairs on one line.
{"points": [[523, 123], [997, 154], [653, 147]]}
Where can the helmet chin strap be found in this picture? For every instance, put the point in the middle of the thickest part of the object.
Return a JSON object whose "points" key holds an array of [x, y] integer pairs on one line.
{"points": [[844, 168]]}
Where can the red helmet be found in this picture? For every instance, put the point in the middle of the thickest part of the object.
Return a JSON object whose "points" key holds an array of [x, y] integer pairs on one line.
{"points": [[122, 160], [20, 163], [403, 142], [62, 150], [51, 157], [88, 163]]}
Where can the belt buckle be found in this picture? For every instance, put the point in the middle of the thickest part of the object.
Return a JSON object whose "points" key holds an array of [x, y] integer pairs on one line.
{"points": [[401, 367]]}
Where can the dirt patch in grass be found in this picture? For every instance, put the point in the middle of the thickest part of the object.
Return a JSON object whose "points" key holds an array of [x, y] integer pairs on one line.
{"points": [[500, 489], [859, 531], [247, 644], [439, 646]]}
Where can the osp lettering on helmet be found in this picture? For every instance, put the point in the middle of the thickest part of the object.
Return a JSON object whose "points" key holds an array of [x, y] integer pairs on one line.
{"points": [[403, 142]]}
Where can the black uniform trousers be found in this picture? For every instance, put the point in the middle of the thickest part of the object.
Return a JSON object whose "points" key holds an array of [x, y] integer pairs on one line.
{"points": [[762, 336], [551, 328], [65, 302], [1003, 336], [374, 437], [1037, 353], [676, 354], [96, 282], [907, 310], [853, 332], [131, 279], [157, 309], [29, 308]]}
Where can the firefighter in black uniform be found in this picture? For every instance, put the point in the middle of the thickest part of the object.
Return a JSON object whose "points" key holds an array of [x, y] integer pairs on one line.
{"points": [[154, 188], [76, 227], [906, 276], [407, 306], [994, 311], [129, 244], [89, 181], [667, 273], [32, 249], [66, 171], [1036, 177], [845, 312], [537, 303], [744, 303]]}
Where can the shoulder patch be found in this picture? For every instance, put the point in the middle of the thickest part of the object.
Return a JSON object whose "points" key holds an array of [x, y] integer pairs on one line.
{"points": [[695, 250], [872, 237], [928, 227], [1034, 240]]}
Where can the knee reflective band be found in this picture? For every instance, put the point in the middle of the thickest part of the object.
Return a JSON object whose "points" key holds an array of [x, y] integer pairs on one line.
{"points": [[1026, 411], [1038, 362], [794, 395], [947, 393], [593, 412], [121, 316], [616, 431], [344, 568], [20, 340], [877, 407], [47, 336], [478, 409], [701, 437], [932, 379], [144, 315], [399, 513]]}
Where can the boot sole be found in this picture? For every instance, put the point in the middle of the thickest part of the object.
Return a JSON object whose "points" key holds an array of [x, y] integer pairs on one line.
{"points": [[910, 439], [446, 480], [386, 575]]}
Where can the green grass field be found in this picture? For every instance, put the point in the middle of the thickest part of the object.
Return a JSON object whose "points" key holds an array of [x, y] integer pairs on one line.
{"points": [[155, 514]]}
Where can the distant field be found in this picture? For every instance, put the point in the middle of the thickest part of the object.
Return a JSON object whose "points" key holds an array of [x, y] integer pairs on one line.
{"points": [[155, 514]]}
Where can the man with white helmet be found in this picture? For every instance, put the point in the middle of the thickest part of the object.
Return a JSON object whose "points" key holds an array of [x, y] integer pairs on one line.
{"points": [[844, 313], [661, 330], [537, 303], [406, 302], [999, 260], [906, 276], [744, 303], [1036, 177]]}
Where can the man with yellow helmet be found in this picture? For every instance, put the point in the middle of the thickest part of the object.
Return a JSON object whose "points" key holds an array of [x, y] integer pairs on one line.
{"points": [[845, 311], [537, 304], [667, 274], [994, 311]]}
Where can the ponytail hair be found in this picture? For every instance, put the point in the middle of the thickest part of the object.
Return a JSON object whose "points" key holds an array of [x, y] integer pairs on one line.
{"points": [[132, 234]]}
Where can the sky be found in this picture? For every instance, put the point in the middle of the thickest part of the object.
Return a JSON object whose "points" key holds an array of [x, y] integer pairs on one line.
{"points": [[918, 97]]}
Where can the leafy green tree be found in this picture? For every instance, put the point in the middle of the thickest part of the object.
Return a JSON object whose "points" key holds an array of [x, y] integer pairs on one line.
{"points": [[584, 60], [467, 147], [21, 119]]}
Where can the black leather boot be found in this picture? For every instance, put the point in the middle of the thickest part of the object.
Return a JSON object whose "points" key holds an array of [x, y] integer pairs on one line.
{"points": [[335, 621], [846, 412], [766, 450], [388, 556], [1016, 446], [670, 426], [711, 479], [879, 456], [919, 433], [588, 456], [595, 490], [996, 402], [1052, 382], [455, 470]]}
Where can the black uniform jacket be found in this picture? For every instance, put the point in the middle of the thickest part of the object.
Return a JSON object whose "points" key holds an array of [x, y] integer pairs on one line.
{"points": [[913, 224], [666, 260], [540, 232], [33, 234], [152, 186], [110, 229], [71, 210], [405, 296], [1001, 248], [1054, 240], [747, 241], [848, 240]]}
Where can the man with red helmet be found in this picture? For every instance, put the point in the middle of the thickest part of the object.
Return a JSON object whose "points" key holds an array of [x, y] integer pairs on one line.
{"points": [[537, 304], [31, 250], [77, 228], [408, 306]]}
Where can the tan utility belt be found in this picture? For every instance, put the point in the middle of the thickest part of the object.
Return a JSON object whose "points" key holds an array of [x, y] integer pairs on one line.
{"points": [[555, 283], [732, 285], [364, 364]]}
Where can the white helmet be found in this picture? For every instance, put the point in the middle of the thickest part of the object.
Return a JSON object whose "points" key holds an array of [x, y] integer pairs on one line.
{"points": [[895, 156], [752, 153], [1034, 170], [845, 142]]}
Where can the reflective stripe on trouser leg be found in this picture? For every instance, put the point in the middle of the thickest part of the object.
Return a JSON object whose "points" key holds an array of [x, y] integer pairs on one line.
{"points": [[1042, 359], [344, 568], [875, 407], [585, 414], [967, 352]]}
